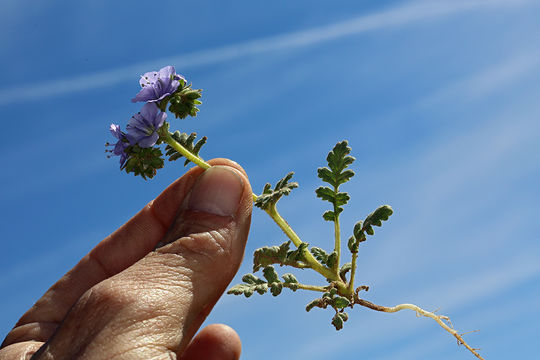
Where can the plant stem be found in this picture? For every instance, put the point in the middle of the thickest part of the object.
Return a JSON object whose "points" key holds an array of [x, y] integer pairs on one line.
{"points": [[185, 152], [314, 264], [273, 213], [353, 272], [443, 321], [337, 232], [307, 287]]}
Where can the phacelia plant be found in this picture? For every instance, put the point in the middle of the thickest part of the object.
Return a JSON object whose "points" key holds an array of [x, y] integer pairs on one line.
{"points": [[148, 140]]}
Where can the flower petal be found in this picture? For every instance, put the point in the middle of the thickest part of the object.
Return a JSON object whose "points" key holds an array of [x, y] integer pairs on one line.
{"points": [[148, 141], [148, 78], [149, 112], [167, 72], [159, 120], [115, 131], [146, 94]]}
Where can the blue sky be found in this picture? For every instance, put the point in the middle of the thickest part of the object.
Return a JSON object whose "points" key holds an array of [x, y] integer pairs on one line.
{"points": [[438, 99]]}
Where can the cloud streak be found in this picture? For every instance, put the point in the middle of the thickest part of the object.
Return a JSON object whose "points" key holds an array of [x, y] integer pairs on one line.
{"points": [[397, 16]]}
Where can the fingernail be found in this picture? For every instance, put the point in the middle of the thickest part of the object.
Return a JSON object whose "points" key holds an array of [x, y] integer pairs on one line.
{"points": [[217, 191]]}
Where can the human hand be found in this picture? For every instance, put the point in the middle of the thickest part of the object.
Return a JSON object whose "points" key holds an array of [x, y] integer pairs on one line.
{"points": [[126, 301]]}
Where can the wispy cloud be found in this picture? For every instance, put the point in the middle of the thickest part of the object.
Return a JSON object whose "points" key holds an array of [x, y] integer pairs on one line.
{"points": [[393, 17], [487, 81]]}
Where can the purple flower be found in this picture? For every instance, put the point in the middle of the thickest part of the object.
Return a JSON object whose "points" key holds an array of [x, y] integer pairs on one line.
{"points": [[158, 84], [121, 144], [143, 126]]}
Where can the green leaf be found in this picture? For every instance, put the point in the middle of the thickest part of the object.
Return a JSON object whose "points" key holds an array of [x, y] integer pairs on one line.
{"points": [[329, 216], [338, 159], [252, 279], [316, 303], [325, 258], [186, 141], [319, 254], [341, 302], [352, 244], [339, 319], [335, 174], [358, 231], [275, 288], [291, 281], [270, 255], [143, 162], [382, 213], [270, 197], [183, 102], [331, 261], [241, 289], [270, 274], [280, 255], [344, 270], [325, 193], [298, 254], [330, 294], [247, 289]]}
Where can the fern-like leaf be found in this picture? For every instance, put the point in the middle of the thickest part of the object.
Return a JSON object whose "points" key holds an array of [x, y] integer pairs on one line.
{"points": [[270, 197], [280, 255], [335, 174], [186, 141], [251, 284], [382, 213]]}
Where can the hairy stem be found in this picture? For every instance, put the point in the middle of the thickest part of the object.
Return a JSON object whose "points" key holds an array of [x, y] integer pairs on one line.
{"points": [[443, 321], [185, 152], [353, 272], [188, 155], [306, 287], [337, 232], [310, 259]]}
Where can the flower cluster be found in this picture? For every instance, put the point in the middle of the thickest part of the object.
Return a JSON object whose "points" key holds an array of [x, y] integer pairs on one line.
{"points": [[137, 147]]}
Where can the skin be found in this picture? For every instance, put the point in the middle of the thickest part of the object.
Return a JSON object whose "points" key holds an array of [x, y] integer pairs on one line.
{"points": [[144, 291]]}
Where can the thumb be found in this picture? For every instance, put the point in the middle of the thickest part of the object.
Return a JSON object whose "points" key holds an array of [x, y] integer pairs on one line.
{"points": [[154, 307]]}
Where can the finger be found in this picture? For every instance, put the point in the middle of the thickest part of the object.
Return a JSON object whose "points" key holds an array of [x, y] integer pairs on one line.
{"points": [[214, 342], [20, 351], [115, 253], [153, 308]]}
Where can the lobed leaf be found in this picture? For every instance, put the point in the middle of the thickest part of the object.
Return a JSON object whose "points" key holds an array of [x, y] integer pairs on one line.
{"points": [[275, 288], [319, 254], [339, 319], [143, 162], [270, 197], [338, 159], [382, 213], [316, 303], [331, 262], [270, 274], [279, 255], [341, 302], [252, 279], [248, 289], [291, 281], [183, 102], [335, 174], [344, 270], [186, 141]]}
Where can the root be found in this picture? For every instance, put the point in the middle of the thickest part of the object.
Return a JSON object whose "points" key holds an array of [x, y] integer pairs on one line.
{"points": [[442, 320]]}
